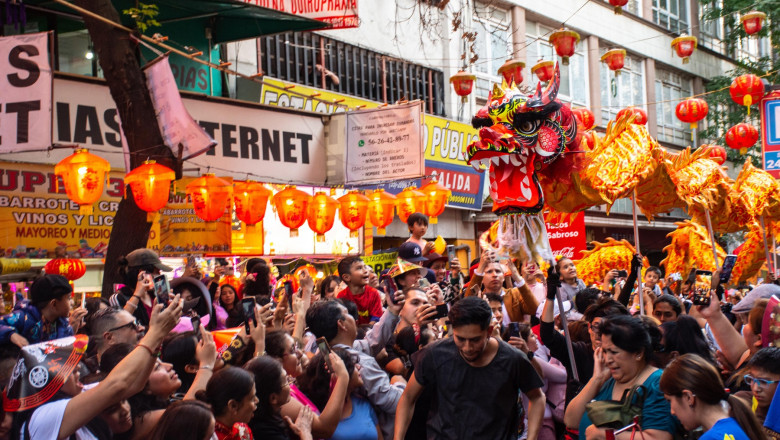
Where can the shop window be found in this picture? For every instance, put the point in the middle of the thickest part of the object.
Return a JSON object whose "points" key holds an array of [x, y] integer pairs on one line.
{"points": [[711, 31], [574, 77], [633, 6], [671, 14], [623, 90], [670, 89]]}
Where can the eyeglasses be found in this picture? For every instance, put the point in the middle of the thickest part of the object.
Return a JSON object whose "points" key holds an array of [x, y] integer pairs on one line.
{"points": [[134, 324], [750, 380]]}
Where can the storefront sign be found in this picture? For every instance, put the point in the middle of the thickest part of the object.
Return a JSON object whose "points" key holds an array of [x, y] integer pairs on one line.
{"points": [[770, 133], [340, 14], [380, 262], [567, 239], [26, 89]]}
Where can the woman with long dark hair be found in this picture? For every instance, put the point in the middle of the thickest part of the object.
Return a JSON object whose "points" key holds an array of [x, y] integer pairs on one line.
{"points": [[231, 394], [185, 420]]}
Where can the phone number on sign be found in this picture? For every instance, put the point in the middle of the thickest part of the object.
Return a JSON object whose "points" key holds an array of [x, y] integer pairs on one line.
{"points": [[388, 140]]}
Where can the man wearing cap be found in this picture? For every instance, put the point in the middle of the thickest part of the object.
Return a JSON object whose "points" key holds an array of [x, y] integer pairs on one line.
{"points": [[413, 253], [450, 283], [137, 271], [41, 318]]}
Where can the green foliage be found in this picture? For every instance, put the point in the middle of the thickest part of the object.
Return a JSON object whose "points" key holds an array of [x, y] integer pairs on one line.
{"points": [[724, 113], [144, 16]]}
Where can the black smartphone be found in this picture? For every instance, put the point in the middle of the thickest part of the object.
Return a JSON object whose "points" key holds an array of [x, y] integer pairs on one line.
{"points": [[324, 348], [288, 292], [248, 306], [514, 329], [196, 327], [702, 288], [387, 284], [450, 251], [622, 274], [442, 311], [728, 266], [162, 289]]}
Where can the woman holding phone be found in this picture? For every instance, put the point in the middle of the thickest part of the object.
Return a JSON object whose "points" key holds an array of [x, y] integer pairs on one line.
{"points": [[136, 271]]}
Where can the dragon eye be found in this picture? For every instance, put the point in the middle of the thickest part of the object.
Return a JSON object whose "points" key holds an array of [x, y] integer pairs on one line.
{"points": [[526, 126]]}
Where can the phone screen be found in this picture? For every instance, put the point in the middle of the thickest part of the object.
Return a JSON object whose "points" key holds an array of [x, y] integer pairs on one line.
{"points": [[83, 299], [442, 311], [728, 266], [288, 292], [162, 289], [622, 274], [196, 327], [388, 285], [324, 348], [702, 287], [248, 306], [450, 251], [514, 329]]}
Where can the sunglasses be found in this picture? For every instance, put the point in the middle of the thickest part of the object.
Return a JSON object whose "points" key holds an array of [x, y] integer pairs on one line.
{"points": [[750, 380], [134, 324]]}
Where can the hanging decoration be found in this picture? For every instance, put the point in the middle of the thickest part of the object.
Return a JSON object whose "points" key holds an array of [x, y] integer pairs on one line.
{"points": [[594, 264], [381, 209], [640, 116], [463, 83], [353, 207], [741, 137], [84, 176], [436, 196], [70, 268], [151, 185], [210, 197], [408, 202], [588, 140], [250, 199], [690, 247], [618, 4], [684, 45], [747, 90], [753, 21], [614, 59], [565, 43], [322, 214], [512, 71], [692, 110], [544, 70], [585, 118], [717, 153], [292, 206]]}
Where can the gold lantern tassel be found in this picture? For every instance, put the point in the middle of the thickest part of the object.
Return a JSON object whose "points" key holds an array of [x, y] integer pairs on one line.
{"points": [[433, 220], [381, 231], [320, 238], [211, 226], [354, 233], [250, 229], [294, 233], [152, 217]]}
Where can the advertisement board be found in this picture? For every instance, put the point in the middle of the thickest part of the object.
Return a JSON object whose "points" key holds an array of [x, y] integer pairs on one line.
{"points": [[770, 133], [340, 14], [567, 238]]}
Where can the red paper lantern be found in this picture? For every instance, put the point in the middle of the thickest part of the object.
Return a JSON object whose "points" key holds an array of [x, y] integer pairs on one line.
{"points": [[747, 90], [641, 115], [717, 153], [585, 118], [544, 70], [436, 196], [463, 83], [684, 45], [565, 43], [352, 211], [250, 199], [210, 197], [70, 268], [84, 176], [292, 206], [741, 137], [380, 209], [322, 214], [753, 21], [614, 59], [408, 202], [618, 4], [692, 111], [151, 185], [512, 71]]}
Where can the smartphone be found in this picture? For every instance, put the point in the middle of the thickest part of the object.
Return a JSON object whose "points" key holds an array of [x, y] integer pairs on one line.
{"points": [[162, 289], [324, 348], [196, 327], [423, 283], [702, 288], [450, 251], [388, 285], [83, 299], [288, 292], [728, 265], [248, 306], [514, 329], [622, 274], [442, 311]]}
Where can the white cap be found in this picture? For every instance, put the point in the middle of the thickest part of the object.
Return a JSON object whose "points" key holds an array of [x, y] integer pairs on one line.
{"points": [[556, 312]]}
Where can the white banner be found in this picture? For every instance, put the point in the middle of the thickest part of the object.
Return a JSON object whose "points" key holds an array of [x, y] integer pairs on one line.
{"points": [[178, 128], [340, 14], [384, 144], [25, 93]]}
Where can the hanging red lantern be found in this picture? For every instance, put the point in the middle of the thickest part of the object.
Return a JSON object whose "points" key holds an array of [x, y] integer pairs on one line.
{"points": [[292, 206], [753, 21], [322, 214], [463, 83], [716, 152], [747, 90], [565, 43], [741, 137], [84, 176], [618, 4], [151, 185], [436, 196], [250, 199], [380, 209], [692, 111], [353, 208], [512, 71], [614, 59], [641, 115], [684, 45], [585, 118], [70, 268], [408, 202], [210, 197], [544, 70]]}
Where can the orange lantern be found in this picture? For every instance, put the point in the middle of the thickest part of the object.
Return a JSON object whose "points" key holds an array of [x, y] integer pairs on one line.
{"points": [[614, 59], [752, 21], [544, 70], [380, 209], [565, 43], [70, 268], [322, 214], [717, 153], [408, 202], [512, 71], [641, 115], [352, 211], [151, 185], [84, 176], [309, 269], [250, 199], [210, 197], [684, 45], [463, 83], [292, 206], [436, 196], [741, 137], [692, 111], [585, 118], [746, 90], [618, 4]]}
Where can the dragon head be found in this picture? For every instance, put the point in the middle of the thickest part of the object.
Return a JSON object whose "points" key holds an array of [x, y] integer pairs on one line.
{"points": [[517, 135]]}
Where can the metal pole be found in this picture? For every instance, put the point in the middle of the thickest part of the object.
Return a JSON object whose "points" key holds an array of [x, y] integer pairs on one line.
{"points": [[639, 291], [769, 266], [712, 238], [566, 334], [774, 253]]}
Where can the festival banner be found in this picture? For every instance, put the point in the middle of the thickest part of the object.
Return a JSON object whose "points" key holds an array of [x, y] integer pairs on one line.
{"points": [[340, 14], [25, 100], [567, 239]]}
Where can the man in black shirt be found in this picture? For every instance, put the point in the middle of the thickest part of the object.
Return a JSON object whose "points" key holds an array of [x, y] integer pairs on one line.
{"points": [[475, 379]]}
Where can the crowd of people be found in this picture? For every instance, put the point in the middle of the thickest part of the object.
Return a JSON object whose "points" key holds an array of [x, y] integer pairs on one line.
{"points": [[428, 349]]}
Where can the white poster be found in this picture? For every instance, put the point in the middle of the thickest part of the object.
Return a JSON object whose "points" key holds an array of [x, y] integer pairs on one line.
{"points": [[340, 14], [384, 144], [25, 93], [178, 128]]}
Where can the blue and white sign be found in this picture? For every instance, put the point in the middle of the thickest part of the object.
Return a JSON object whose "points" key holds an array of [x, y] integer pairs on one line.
{"points": [[770, 133]]}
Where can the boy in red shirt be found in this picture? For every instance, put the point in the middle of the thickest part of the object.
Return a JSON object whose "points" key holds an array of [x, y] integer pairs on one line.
{"points": [[355, 274]]}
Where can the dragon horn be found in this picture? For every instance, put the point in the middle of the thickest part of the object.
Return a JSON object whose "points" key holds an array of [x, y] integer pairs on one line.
{"points": [[541, 99]]}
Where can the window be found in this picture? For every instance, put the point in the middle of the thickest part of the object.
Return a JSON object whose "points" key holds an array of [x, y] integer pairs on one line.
{"points": [[671, 14], [670, 89], [623, 90], [492, 45], [711, 31], [574, 78], [633, 6]]}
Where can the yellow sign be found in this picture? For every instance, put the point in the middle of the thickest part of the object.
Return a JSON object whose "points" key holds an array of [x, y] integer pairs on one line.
{"points": [[380, 262]]}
